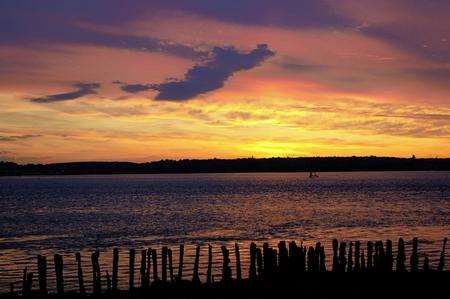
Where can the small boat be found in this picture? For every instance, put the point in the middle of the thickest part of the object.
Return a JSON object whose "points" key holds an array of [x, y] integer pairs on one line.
{"points": [[313, 175]]}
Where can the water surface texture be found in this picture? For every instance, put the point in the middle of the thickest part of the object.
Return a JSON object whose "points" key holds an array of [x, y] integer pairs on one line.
{"points": [[48, 214]]}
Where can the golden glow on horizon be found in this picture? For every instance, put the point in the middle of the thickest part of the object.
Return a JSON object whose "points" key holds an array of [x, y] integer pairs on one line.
{"points": [[325, 92]]}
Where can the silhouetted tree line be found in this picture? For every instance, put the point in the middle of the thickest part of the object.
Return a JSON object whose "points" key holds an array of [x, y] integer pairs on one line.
{"points": [[371, 163]]}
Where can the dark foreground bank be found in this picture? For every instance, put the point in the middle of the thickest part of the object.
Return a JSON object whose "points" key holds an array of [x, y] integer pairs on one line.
{"points": [[314, 164], [311, 285], [371, 271]]}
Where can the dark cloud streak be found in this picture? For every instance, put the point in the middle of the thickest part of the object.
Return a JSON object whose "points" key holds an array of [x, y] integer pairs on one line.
{"points": [[83, 89], [203, 78]]}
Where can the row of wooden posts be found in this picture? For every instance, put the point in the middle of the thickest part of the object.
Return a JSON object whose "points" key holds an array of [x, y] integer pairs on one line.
{"points": [[287, 262]]}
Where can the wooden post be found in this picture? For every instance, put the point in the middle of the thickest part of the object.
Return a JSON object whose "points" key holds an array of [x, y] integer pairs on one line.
{"points": [[293, 259], [226, 270], [426, 264], [42, 273], [115, 269], [363, 262], [164, 264], [302, 258], [401, 256], [80, 274], [149, 265], [381, 257], [29, 282], [283, 257], [267, 260], [24, 281], [238, 262], [209, 271], [335, 256], [96, 275], [369, 255], [414, 260], [58, 259], [108, 282], [357, 256], [195, 277], [350, 258], [155, 265], [389, 256], [441, 265], [131, 268], [310, 259], [143, 268], [316, 266], [169, 255], [180, 263], [259, 261], [274, 259], [252, 270], [323, 264], [342, 257]]}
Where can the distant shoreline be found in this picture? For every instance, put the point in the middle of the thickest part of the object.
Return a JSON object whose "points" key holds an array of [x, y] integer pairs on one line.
{"points": [[243, 165]]}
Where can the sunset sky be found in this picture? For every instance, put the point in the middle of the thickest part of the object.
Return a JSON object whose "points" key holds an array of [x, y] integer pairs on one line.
{"points": [[147, 80]]}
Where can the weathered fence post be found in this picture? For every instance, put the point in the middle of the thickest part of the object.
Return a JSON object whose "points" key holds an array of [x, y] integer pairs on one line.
{"points": [[283, 257], [252, 269], [335, 256], [342, 257], [209, 270], [442, 257], [42, 273], [142, 268], [149, 265], [24, 281], [414, 260], [195, 277], [29, 282], [310, 262], [169, 255], [238, 262], [80, 274], [226, 270], [155, 265], [58, 259], [401, 256], [389, 256], [369, 255], [363, 262], [164, 264], [322, 263], [350, 258], [267, 256], [426, 264], [108, 282], [96, 280], [115, 269], [131, 269], [357, 256], [259, 261], [180, 263]]}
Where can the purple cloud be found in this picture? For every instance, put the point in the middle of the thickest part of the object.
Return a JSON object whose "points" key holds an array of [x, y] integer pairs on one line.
{"points": [[206, 77]]}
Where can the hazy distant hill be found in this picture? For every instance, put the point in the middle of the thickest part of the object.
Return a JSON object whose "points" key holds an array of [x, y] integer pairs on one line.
{"points": [[230, 165]]}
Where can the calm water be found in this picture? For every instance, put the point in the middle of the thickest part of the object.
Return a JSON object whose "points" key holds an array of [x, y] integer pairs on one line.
{"points": [[49, 214]]}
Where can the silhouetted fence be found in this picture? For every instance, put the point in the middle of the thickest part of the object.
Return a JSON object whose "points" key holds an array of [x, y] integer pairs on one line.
{"points": [[267, 265]]}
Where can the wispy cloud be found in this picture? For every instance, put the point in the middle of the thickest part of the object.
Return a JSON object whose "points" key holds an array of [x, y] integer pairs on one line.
{"points": [[83, 89], [11, 138]]}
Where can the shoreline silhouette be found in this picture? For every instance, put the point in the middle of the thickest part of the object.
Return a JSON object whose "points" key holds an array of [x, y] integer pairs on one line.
{"points": [[304, 164]]}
